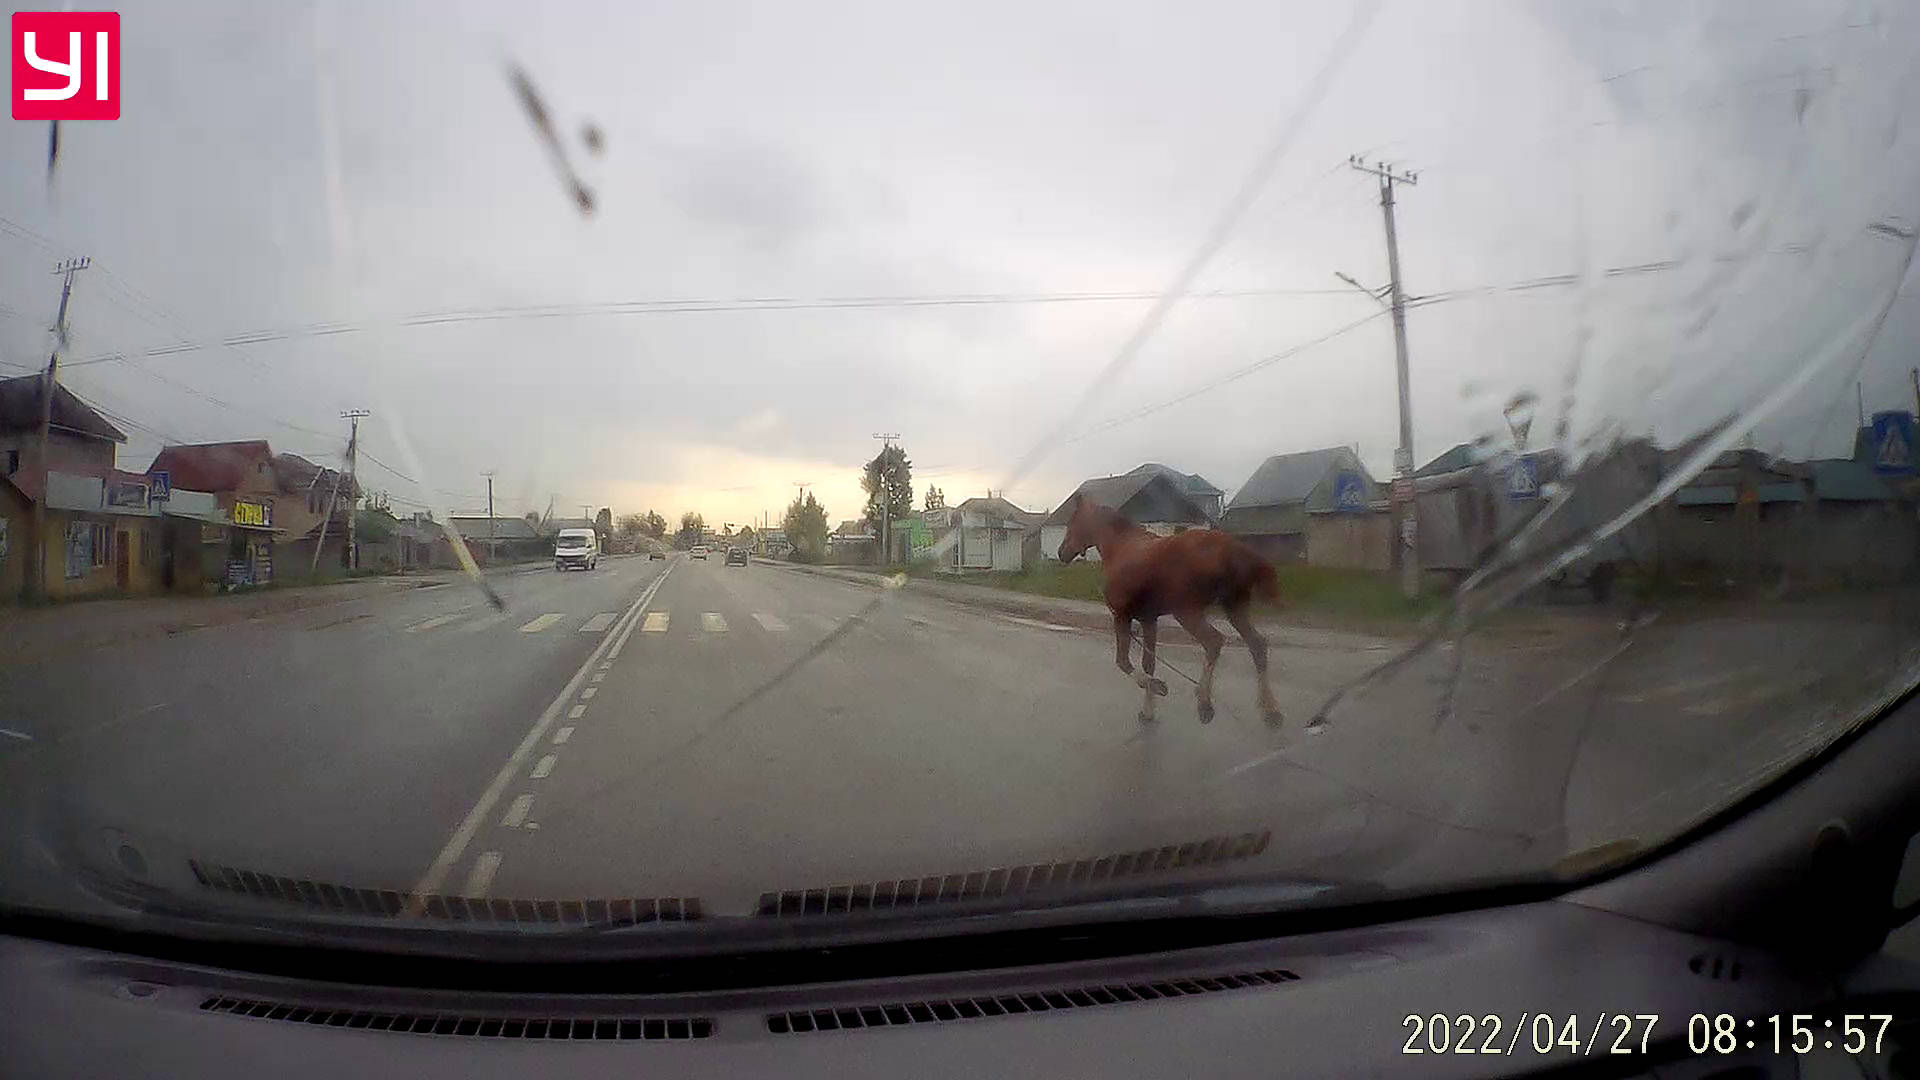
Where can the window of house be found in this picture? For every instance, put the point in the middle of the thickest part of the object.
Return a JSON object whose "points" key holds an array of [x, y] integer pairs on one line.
{"points": [[102, 544], [148, 549], [13, 461]]}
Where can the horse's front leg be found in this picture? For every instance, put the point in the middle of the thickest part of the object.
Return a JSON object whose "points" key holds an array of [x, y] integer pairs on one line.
{"points": [[1123, 643]]}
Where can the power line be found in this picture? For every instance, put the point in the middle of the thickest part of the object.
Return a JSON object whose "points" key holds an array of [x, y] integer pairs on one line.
{"points": [[1233, 376]]}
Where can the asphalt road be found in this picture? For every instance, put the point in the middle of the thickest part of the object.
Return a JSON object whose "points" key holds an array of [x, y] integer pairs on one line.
{"points": [[690, 729]]}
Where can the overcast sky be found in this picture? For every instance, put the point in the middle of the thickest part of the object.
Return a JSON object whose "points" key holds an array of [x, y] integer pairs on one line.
{"points": [[281, 167]]}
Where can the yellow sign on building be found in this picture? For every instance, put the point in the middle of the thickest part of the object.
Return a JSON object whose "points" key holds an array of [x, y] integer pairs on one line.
{"points": [[259, 514]]}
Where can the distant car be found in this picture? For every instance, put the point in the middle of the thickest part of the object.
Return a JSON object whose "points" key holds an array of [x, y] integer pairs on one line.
{"points": [[576, 547], [736, 556], [699, 551], [656, 553]]}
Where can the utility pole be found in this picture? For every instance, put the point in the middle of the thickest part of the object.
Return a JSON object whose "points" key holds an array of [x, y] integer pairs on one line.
{"points": [[1404, 499], [353, 416], [886, 495], [34, 581], [1916, 391], [491, 539]]}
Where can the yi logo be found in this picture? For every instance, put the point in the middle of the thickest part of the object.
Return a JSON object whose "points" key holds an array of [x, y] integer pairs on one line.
{"points": [[66, 65]]}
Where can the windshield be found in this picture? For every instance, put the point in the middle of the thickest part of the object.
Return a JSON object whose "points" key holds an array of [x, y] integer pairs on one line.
{"points": [[1337, 451]]}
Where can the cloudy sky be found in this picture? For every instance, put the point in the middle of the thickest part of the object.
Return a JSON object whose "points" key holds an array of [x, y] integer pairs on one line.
{"points": [[365, 170]]}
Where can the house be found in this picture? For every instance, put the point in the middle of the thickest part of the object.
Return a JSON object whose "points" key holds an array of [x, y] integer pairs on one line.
{"points": [[497, 539], [277, 506], [87, 543], [1469, 498], [1195, 485], [1150, 499], [981, 533], [1316, 506]]}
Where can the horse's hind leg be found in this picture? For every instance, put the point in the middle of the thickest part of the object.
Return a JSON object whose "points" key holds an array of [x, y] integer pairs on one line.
{"points": [[1150, 687], [1242, 621], [1210, 640]]}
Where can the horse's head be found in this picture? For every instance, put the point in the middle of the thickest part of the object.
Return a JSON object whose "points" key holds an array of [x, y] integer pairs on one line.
{"points": [[1083, 529]]}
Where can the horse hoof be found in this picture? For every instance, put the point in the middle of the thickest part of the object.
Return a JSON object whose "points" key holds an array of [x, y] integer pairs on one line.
{"points": [[1159, 687], [1206, 712]]}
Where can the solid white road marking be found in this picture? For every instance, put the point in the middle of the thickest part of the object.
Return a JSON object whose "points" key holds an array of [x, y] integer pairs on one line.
{"points": [[517, 812], [436, 621], [771, 623], [656, 623], [16, 734], [576, 712], [713, 622], [587, 694], [480, 878], [543, 622], [456, 845], [544, 767], [561, 736], [598, 622], [1037, 624]]}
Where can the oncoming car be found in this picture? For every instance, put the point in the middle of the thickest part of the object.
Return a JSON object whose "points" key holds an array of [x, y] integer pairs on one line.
{"points": [[576, 548], [699, 551]]}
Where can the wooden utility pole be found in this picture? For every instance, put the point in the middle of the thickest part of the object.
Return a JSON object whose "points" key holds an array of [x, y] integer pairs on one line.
{"points": [[1404, 499], [33, 583]]}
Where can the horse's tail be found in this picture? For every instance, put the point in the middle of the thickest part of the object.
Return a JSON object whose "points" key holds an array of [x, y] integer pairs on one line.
{"points": [[1257, 576]]}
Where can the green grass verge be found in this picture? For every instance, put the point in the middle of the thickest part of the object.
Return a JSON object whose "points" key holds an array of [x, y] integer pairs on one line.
{"points": [[1325, 590]]}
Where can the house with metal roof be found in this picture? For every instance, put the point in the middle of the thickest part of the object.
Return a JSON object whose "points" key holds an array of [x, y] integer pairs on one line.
{"points": [[1196, 486], [1317, 506], [1151, 499], [982, 533]]}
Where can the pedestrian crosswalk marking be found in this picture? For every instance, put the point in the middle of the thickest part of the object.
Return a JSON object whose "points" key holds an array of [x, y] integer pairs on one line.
{"points": [[656, 623], [713, 622], [544, 767], [561, 736], [769, 622], [543, 622], [598, 622], [436, 621], [516, 815], [475, 626]]}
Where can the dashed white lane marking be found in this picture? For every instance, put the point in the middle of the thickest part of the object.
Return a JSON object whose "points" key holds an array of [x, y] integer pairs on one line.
{"points": [[480, 878], [598, 623], [1037, 624], [456, 845], [12, 734], [560, 737], [587, 694], [576, 712], [544, 767], [713, 622], [769, 622], [543, 622], [656, 623], [1688, 686], [517, 811], [435, 622]]}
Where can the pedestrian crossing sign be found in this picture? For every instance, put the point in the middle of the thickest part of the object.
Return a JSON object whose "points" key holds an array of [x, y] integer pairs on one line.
{"points": [[1892, 443]]}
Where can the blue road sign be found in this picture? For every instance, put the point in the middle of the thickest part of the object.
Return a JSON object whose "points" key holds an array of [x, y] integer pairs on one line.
{"points": [[160, 483], [1892, 442], [1349, 492], [1523, 481]]}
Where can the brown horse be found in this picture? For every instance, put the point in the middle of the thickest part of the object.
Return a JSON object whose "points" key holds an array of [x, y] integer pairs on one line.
{"points": [[1182, 575]]}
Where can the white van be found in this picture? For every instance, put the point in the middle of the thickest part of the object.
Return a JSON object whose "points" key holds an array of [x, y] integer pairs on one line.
{"points": [[576, 547]]}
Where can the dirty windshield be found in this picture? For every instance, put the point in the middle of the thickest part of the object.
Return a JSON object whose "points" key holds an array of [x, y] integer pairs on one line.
{"points": [[1294, 454]]}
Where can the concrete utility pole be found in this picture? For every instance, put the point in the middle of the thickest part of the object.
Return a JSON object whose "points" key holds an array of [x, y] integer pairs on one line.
{"points": [[1402, 491], [33, 583], [886, 497], [491, 539], [353, 416]]}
